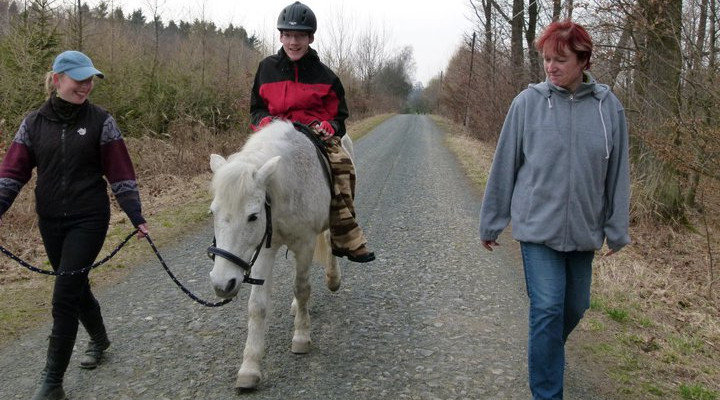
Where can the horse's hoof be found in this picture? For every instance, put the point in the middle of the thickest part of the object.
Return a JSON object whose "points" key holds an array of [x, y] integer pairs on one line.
{"points": [[247, 380], [332, 283], [300, 346]]}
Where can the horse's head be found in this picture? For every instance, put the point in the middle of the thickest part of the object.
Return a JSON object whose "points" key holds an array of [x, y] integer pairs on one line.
{"points": [[240, 216]]}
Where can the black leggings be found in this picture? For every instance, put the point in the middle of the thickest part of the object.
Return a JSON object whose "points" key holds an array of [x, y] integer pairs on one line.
{"points": [[73, 243]]}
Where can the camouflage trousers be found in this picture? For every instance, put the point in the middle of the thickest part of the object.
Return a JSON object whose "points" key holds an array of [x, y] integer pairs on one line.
{"points": [[345, 233]]}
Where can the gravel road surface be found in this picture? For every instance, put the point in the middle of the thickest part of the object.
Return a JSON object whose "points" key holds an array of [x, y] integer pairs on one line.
{"points": [[434, 317]]}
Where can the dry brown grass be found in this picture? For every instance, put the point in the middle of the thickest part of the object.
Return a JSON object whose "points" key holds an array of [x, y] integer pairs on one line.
{"points": [[173, 174], [653, 330]]}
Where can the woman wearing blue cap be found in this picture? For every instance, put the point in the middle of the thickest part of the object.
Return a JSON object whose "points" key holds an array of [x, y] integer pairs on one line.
{"points": [[76, 146]]}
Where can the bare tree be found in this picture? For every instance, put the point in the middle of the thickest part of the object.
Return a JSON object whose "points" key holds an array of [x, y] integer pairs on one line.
{"points": [[485, 18], [516, 42], [369, 55], [658, 87], [556, 9], [155, 8], [77, 20], [534, 65], [338, 49], [569, 7]]}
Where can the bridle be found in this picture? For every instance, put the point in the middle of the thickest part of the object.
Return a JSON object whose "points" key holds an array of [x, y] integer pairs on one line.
{"points": [[212, 251]]}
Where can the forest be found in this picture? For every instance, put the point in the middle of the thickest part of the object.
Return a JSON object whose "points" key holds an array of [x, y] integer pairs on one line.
{"points": [[184, 86], [161, 73], [660, 57]]}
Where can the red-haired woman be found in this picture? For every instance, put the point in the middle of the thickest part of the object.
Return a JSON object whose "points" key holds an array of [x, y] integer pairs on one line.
{"points": [[560, 176]]}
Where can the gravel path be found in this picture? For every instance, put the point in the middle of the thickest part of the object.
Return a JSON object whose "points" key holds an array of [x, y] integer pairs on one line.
{"points": [[435, 317]]}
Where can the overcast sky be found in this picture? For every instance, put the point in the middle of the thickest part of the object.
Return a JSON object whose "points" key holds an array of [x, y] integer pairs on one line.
{"points": [[434, 29]]}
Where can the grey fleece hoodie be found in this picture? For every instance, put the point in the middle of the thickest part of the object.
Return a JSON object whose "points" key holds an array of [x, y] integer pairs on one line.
{"points": [[561, 170]]}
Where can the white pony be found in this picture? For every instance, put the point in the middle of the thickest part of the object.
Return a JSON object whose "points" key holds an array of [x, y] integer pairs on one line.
{"points": [[280, 166]]}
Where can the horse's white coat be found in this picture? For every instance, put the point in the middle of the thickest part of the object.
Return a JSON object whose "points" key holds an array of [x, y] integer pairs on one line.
{"points": [[282, 163]]}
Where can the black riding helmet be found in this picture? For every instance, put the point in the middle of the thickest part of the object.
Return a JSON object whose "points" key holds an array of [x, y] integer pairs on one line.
{"points": [[297, 17]]}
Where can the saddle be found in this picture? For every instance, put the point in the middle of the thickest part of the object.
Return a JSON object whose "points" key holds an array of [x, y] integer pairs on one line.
{"points": [[321, 149]]}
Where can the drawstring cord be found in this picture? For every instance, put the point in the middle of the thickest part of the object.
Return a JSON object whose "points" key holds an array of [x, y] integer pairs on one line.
{"points": [[602, 119]]}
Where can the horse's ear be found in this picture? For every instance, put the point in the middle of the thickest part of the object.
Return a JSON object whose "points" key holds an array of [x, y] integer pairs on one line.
{"points": [[216, 161], [264, 172]]}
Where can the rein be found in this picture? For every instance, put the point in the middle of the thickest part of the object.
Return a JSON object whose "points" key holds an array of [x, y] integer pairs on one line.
{"points": [[320, 148], [212, 251], [106, 259]]}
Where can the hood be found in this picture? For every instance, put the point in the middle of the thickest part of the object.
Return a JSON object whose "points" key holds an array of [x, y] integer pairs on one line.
{"points": [[589, 87]]}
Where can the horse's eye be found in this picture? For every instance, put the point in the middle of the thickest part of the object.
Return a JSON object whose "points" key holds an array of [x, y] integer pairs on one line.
{"points": [[252, 218]]}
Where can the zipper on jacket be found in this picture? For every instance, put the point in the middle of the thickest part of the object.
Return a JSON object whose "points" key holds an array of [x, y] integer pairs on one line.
{"points": [[570, 168], [63, 179]]}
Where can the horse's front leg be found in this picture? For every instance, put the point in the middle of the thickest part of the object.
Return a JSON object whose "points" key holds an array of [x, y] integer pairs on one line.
{"points": [[301, 336], [259, 307]]}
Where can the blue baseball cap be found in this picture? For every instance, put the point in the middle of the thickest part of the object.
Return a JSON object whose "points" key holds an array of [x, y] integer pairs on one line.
{"points": [[76, 65]]}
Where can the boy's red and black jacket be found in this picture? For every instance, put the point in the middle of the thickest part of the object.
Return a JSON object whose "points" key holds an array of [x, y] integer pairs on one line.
{"points": [[71, 159], [303, 91]]}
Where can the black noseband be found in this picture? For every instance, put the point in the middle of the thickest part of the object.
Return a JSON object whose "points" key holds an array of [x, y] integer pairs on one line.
{"points": [[212, 251]]}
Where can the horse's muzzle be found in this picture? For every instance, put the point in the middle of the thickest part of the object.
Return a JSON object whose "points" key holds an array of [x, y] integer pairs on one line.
{"points": [[229, 291]]}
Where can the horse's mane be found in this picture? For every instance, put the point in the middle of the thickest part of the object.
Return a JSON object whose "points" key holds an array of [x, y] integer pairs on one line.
{"points": [[230, 182]]}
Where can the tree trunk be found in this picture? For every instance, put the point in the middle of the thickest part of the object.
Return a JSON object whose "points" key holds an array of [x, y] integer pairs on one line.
{"points": [[535, 71], [658, 87], [556, 10], [79, 37], [618, 54], [516, 43]]}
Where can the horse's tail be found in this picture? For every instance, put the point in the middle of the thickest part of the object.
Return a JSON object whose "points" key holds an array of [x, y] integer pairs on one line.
{"points": [[323, 254], [347, 143], [323, 251]]}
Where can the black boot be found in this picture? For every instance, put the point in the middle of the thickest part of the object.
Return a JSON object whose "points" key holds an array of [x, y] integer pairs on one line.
{"points": [[99, 341], [58, 358], [94, 353]]}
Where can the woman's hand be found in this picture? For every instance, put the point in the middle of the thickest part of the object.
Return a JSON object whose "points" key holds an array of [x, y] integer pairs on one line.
{"points": [[142, 231], [488, 244]]}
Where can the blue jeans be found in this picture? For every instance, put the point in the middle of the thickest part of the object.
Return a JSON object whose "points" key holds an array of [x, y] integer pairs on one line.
{"points": [[558, 285]]}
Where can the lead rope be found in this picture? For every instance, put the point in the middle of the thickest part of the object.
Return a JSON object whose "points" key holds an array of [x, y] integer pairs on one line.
{"points": [[106, 259], [67, 273], [180, 285]]}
